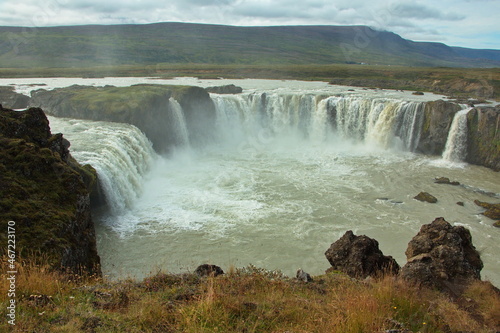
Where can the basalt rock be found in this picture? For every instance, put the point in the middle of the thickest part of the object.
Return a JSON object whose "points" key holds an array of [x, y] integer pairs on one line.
{"points": [[360, 257], [227, 89], [146, 106], [442, 256], [208, 270], [12, 100], [483, 139], [43, 192], [426, 197], [445, 180], [438, 117], [492, 210]]}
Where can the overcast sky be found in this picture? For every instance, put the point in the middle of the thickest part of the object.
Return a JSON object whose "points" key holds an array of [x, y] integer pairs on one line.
{"points": [[467, 23]]}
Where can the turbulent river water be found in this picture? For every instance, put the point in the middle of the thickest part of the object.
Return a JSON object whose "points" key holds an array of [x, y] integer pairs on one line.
{"points": [[276, 191]]}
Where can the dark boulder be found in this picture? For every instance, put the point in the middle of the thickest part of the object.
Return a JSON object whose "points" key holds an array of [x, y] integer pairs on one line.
{"points": [[227, 89], [426, 197], [303, 276], [360, 257], [208, 270], [447, 181], [442, 256]]}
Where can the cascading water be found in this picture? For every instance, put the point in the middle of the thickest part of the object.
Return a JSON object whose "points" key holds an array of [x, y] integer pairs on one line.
{"points": [[288, 174], [179, 126], [456, 144], [120, 153], [382, 122]]}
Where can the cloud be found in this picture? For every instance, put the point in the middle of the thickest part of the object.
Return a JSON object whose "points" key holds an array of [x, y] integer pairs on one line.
{"points": [[464, 22], [418, 11]]}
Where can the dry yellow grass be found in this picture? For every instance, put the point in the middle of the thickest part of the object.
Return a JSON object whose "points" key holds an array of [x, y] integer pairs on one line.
{"points": [[244, 300]]}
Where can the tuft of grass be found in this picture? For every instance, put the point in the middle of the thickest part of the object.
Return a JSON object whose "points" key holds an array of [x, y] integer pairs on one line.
{"points": [[244, 300]]}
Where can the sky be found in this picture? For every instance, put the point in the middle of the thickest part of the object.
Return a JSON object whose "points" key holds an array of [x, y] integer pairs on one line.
{"points": [[466, 23]]}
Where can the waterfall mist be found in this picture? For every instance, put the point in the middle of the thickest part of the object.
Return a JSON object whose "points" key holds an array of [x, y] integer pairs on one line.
{"points": [[283, 175]]}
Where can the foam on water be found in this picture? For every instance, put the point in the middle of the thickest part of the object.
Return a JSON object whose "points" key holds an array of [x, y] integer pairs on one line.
{"points": [[288, 174]]}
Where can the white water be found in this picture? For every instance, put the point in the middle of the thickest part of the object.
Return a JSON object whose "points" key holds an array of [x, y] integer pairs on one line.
{"points": [[289, 173], [120, 153], [182, 135], [456, 144]]}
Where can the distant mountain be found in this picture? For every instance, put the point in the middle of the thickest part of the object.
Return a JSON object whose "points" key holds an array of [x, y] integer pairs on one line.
{"points": [[95, 45]]}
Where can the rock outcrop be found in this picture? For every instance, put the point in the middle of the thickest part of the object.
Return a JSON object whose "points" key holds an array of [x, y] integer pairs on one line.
{"points": [[483, 139], [145, 106], [426, 197], [227, 89], [437, 123], [12, 100], [442, 256], [208, 270], [492, 210], [44, 191], [360, 257]]}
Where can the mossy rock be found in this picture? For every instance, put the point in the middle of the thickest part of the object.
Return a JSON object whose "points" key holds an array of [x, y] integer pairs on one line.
{"points": [[43, 195], [426, 197]]}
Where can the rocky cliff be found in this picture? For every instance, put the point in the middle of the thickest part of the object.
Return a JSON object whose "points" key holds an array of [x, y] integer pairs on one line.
{"points": [[10, 99], [145, 106], [437, 122], [483, 145], [45, 192]]}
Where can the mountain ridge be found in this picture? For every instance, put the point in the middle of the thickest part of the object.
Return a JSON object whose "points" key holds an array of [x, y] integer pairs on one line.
{"points": [[175, 42]]}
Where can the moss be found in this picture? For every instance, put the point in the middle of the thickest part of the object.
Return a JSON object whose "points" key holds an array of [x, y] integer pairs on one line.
{"points": [[40, 192]]}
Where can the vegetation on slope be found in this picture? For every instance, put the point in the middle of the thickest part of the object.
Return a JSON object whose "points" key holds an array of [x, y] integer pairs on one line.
{"points": [[244, 300], [217, 44], [477, 83]]}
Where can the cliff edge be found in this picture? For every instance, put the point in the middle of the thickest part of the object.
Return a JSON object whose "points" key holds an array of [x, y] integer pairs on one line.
{"points": [[44, 191]]}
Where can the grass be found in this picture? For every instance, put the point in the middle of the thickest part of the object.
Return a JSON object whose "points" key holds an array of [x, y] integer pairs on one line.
{"points": [[460, 82], [243, 300]]}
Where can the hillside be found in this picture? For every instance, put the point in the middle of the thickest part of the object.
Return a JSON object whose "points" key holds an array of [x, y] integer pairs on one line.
{"points": [[95, 45]]}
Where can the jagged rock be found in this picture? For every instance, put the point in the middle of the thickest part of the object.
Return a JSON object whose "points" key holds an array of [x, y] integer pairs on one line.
{"points": [[227, 89], [43, 193], [442, 256], [208, 270], [303, 276], [492, 210], [444, 180], [360, 257], [418, 93], [426, 197]]}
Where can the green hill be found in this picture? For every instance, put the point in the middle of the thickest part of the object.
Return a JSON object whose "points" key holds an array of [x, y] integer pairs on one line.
{"points": [[99, 45]]}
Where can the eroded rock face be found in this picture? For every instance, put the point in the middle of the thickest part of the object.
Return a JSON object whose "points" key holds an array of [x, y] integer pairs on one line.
{"points": [[437, 122], [441, 255], [12, 100], [483, 139], [43, 192], [360, 257]]}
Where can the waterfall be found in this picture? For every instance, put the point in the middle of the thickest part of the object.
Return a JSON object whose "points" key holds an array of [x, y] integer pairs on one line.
{"points": [[179, 126], [120, 153], [456, 144], [387, 123]]}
